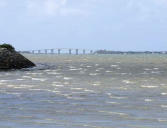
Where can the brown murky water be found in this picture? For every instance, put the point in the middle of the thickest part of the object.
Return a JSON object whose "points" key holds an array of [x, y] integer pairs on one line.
{"points": [[107, 91]]}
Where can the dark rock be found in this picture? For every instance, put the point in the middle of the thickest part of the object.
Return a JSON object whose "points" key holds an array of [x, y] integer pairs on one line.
{"points": [[11, 59]]}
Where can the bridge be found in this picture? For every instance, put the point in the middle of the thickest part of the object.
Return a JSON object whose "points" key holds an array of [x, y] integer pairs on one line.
{"points": [[70, 51]]}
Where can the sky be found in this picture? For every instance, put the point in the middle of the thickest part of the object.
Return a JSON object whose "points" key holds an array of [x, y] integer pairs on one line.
{"points": [[136, 25]]}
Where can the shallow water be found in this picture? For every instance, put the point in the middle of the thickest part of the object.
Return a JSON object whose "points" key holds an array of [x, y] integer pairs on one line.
{"points": [[106, 91]]}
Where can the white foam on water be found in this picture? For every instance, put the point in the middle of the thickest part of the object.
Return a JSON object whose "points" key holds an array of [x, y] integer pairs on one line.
{"points": [[155, 72], [117, 97], [59, 76], [93, 74], [86, 90], [96, 64], [112, 103], [33, 73], [56, 82], [98, 83], [163, 84], [113, 65], [53, 73], [124, 73], [156, 68], [164, 93], [128, 82], [75, 98], [14, 93], [57, 85], [147, 69], [148, 100], [74, 69], [36, 89], [77, 89], [55, 91], [162, 120], [4, 81], [27, 77], [108, 71], [67, 78], [20, 79], [48, 70], [146, 86], [114, 113], [66, 83], [39, 79], [122, 88], [11, 86]]}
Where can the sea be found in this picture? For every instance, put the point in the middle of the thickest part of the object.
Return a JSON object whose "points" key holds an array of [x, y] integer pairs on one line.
{"points": [[86, 91]]}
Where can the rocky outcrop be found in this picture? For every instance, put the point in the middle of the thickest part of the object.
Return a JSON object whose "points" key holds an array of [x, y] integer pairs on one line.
{"points": [[11, 59]]}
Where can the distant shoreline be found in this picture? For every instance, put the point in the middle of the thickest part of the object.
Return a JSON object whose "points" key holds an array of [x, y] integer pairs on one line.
{"points": [[129, 52], [103, 52]]}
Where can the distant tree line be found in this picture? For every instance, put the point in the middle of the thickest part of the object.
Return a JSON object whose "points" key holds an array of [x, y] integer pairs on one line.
{"points": [[129, 52]]}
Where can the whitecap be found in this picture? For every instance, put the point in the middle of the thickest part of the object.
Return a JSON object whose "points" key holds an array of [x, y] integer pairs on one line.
{"points": [[162, 120], [163, 93], [4, 81], [73, 69], [20, 79], [86, 90], [114, 113], [93, 74], [127, 82], [58, 85], [34, 73], [53, 73], [108, 71], [145, 86], [113, 65], [39, 79], [76, 88], [124, 73], [148, 100], [11, 86], [88, 66], [116, 97], [67, 78], [112, 103], [26, 76], [147, 69]]}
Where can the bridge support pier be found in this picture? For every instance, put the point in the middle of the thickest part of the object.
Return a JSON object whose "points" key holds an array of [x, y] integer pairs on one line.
{"points": [[70, 51], [84, 51], [39, 51], [52, 51], [59, 50], [46, 51], [77, 51]]}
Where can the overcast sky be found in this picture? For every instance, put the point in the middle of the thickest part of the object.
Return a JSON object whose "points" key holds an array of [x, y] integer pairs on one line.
{"points": [[92, 24]]}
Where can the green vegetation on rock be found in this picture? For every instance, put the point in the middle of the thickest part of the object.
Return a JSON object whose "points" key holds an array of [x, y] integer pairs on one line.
{"points": [[7, 46]]}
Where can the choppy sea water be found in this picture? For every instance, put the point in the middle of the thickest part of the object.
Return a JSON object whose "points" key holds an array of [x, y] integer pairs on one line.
{"points": [[106, 91]]}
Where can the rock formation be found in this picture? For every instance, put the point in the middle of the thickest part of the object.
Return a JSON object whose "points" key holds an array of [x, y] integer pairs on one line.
{"points": [[11, 59]]}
